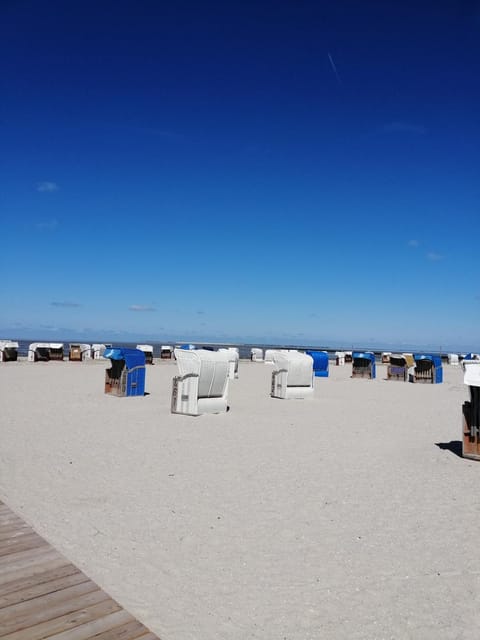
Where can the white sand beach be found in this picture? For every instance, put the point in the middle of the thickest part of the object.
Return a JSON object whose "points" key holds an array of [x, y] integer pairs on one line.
{"points": [[328, 518]]}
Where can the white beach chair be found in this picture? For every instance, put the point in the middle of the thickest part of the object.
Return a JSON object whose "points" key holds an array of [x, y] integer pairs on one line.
{"points": [[8, 350], [453, 359], [148, 351], [202, 386], [292, 376], [256, 354], [340, 358], [233, 358]]}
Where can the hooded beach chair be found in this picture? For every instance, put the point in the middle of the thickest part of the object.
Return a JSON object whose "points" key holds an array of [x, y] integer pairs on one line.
{"points": [[471, 410], [320, 363], [453, 359], [363, 365], [340, 358], [292, 375], [166, 352], [8, 351], [126, 375], [386, 357], [428, 368], [202, 386], [79, 352], [256, 354], [233, 358], [45, 351], [399, 365], [148, 351]]}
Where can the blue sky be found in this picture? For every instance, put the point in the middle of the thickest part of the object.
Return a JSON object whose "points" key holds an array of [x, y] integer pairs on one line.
{"points": [[257, 171]]}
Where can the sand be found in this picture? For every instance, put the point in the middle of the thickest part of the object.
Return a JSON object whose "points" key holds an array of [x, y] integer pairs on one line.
{"points": [[327, 518]]}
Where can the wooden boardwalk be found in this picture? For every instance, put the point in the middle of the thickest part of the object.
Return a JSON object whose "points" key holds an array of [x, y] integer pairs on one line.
{"points": [[43, 595]]}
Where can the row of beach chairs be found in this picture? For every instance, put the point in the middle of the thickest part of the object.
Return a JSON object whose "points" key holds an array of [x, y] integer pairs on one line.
{"points": [[202, 383]]}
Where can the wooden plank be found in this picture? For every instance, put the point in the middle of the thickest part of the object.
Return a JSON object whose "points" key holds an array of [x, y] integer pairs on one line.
{"points": [[36, 590], [49, 606], [111, 624], [63, 623], [32, 570], [31, 580], [23, 559], [129, 631], [24, 543], [14, 530]]}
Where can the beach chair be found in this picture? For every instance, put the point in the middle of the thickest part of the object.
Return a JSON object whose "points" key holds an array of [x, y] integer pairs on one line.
{"points": [[348, 356], [8, 351], [269, 353], [292, 376], [233, 358], [398, 366], [340, 358], [453, 359], [56, 351], [363, 365], [79, 352], [202, 386], [98, 350], [386, 357], [45, 351], [166, 352], [428, 368], [256, 354], [320, 363], [471, 411], [148, 351], [126, 375]]}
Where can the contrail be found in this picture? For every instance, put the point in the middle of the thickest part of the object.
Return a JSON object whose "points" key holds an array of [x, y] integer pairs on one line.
{"points": [[334, 68]]}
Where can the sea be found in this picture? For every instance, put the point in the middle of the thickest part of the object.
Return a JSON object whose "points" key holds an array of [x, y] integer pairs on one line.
{"points": [[244, 349]]}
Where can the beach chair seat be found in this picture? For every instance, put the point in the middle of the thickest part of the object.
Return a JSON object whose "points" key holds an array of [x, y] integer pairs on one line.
{"points": [[398, 367], [292, 375], [202, 386]]}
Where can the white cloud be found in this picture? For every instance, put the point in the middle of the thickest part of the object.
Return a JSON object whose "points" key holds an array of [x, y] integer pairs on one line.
{"points": [[434, 257], [65, 304], [47, 187], [141, 307], [413, 243]]}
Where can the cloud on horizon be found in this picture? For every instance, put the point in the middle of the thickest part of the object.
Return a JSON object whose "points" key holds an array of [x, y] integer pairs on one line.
{"points": [[65, 303], [141, 307], [47, 187]]}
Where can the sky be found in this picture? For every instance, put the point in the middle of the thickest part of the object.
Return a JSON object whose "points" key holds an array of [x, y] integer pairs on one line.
{"points": [[298, 172]]}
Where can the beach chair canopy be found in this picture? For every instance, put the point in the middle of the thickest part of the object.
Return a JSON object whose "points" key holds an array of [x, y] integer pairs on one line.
{"points": [[148, 348], [472, 356], [428, 357], [363, 355], [202, 386], [211, 367], [299, 367], [320, 362], [133, 357], [471, 369]]}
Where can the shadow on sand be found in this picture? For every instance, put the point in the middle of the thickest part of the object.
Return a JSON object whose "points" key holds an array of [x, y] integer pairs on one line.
{"points": [[455, 446]]}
